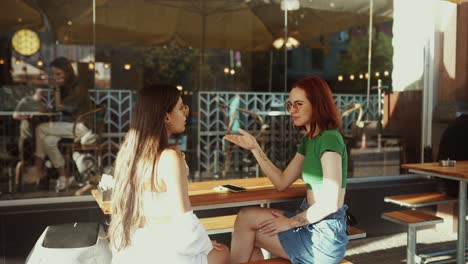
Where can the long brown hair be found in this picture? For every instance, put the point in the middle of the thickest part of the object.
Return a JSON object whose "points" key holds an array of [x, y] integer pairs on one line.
{"points": [[71, 81], [324, 112], [137, 160]]}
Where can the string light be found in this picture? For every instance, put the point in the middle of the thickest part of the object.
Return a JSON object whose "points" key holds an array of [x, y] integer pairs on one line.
{"points": [[232, 72], [2, 62], [127, 66], [106, 65], [289, 43], [226, 70], [377, 74], [366, 75], [351, 77], [91, 66], [40, 63], [340, 78], [386, 73], [179, 87], [361, 76]]}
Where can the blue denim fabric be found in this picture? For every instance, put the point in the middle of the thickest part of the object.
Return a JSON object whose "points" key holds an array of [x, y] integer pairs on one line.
{"points": [[323, 242]]}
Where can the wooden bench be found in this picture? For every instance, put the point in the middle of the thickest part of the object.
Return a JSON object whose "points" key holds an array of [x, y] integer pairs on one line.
{"points": [[412, 219], [420, 199], [355, 233], [218, 224], [284, 261], [225, 224]]}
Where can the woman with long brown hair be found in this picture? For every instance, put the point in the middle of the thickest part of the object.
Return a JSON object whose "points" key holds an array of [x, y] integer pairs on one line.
{"points": [[152, 220], [70, 99], [316, 233]]}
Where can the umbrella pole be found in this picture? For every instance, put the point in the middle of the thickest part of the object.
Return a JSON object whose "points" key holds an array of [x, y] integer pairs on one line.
{"points": [[270, 74], [285, 50], [369, 57], [202, 49]]}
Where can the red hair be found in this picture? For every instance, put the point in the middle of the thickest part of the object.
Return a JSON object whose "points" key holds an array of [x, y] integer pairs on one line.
{"points": [[324, 112]]}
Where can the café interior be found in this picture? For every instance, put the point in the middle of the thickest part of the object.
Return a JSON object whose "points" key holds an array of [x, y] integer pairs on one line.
{"points": [[396, 68]]}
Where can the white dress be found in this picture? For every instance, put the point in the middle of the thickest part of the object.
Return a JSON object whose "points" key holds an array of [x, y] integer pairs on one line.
{"points": [[177, 238]]}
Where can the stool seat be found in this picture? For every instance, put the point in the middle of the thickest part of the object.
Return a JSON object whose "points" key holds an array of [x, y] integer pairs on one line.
{"points": [[412, 218], [415, 200]]}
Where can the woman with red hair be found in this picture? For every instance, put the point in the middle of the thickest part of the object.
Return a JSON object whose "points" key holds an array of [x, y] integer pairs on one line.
{"points": [[316, 233]]}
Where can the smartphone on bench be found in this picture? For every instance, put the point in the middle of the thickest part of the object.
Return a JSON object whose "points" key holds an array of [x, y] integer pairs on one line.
{"points": [[230, 187]]}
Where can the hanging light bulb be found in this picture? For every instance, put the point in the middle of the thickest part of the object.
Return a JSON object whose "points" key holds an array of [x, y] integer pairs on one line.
{"points": [[233, 71], [127, 66], [179, 87], [292, 42], [40, 63], [351, 77], [340, 78], [226, 70], [377, 74], [2, 61], [361, 76], [278, 43], [366, 75], [106, 65], [91, 65], [290, 5], [386, 73]]}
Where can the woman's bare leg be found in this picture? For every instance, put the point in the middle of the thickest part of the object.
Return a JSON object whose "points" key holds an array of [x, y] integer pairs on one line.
{"points": [[246, 240], [256, 254], [220, 255]]}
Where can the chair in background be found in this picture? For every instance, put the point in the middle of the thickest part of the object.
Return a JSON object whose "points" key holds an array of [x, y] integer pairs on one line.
{"points": [[70, 146]]}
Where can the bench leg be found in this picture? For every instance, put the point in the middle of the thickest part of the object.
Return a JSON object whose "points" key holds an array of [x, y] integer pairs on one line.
{"points": [[411, 245]]}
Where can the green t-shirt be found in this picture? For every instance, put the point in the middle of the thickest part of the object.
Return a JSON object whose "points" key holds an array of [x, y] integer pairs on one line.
{"points": [[313, 148]]}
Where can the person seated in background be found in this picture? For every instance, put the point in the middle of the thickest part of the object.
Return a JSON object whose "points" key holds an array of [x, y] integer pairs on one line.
{"points": [[152, 219], [24, 112], [71, 99]]}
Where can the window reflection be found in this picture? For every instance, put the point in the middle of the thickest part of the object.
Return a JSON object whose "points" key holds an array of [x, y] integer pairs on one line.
{"points": [[214, 50]]}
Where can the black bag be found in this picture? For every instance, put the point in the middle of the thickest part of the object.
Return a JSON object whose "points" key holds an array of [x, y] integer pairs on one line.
{"points": [[350, 221]]}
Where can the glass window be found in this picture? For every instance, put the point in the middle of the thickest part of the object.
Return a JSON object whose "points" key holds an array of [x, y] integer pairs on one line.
{"points": [[226, 56]]}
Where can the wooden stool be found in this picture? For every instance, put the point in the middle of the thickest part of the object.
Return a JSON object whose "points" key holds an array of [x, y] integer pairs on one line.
{"points": [[412, 219]]}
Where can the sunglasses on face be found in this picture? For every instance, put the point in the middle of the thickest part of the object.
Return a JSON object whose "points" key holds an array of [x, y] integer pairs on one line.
{"points": [[294, 106]]}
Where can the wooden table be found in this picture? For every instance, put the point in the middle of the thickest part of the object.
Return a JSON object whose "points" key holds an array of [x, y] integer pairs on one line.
{"points": [[203, 197], [458, 173]]}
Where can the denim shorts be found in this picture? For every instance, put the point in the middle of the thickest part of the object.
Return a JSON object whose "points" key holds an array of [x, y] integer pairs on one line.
{"points": [[323, 242]]}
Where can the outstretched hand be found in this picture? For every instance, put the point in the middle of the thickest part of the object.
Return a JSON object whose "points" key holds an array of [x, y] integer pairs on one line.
{"points": [[244, 140]]}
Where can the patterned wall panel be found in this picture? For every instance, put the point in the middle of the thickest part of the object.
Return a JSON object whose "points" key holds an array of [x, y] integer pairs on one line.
{"points": [[279, 140]]}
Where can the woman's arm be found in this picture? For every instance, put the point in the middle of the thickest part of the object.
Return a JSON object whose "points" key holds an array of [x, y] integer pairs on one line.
{"points": [[329, 200], [58, 99], [171, 166], [325, 204], [281, 179]]}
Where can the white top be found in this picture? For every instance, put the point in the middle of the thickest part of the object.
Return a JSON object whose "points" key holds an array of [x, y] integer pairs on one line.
{"points": [[168, 237]]}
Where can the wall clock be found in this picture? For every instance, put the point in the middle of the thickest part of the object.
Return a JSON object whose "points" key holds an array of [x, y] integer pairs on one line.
{"points": [[26, 42]]}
